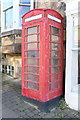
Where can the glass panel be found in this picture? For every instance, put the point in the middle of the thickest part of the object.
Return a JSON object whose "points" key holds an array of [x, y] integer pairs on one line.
{"points": [[33, 78], [25, 69], [38, 61], [32, 30], [25, 77], [32, 38], [25, 39], [24, 1], [32, 85], [55, 54], [55, 46], [55, 30], [31, 61], [37, 70], [25, 31], [9, 66], [54, 62], [32, 69], [32, 53], [55, 85], [7, 3], [54, 77], [55, 69], [25, 46], [55, 38], [12, 72], [60, 76], [38, 53], [32, 46], [25, 54], [9, 18], [3, 66], [22, 11], [25, 84], [12, 67]]}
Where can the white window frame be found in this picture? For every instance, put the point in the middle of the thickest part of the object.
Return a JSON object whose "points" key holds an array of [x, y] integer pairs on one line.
{"points": [[31, 7], [5, 10], [15, 6]]}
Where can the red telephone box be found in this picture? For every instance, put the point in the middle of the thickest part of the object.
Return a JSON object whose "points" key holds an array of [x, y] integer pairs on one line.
{"points": [[42, 54]]}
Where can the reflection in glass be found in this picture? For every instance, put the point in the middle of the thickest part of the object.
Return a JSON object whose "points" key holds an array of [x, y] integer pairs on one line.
{"points": [[24, 1], [55, 46], [32, 53], [33, 86], [25, 69], [55, 30], [25, 39], [32, 46], [7, 3], [54, 77], [38, 61], [25, 54], [54, 69], [25, 84], [9, 18], [31, 77], [32, 38], [25, 31], [25, 76], [54, 62], [55, 38], [25, 46], [22, 10], [32, 69], [32, 30], [31, 61], [55, 54]]}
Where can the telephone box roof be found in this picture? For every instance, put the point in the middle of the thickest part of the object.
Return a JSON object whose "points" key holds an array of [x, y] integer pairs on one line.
{"points": [[54, 12]]}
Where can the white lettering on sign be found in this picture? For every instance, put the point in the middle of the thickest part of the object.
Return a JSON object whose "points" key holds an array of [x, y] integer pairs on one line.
{"points": [[54, 18], [33, 17]]}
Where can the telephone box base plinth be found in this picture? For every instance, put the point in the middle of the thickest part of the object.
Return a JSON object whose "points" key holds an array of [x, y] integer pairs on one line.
{"points": [[44, 106]]}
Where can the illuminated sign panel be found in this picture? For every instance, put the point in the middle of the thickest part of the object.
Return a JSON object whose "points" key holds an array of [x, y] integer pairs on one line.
{"points": [[54, 18], [33, 17]]}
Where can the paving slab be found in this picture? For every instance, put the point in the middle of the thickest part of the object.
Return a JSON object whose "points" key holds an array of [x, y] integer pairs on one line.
{"points": [[15, 107], [8, 113]]}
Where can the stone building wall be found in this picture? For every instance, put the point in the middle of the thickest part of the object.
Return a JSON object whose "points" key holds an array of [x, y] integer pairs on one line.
{"points": [[58, 6], [11, 54], [11, 39], [14, 59]]}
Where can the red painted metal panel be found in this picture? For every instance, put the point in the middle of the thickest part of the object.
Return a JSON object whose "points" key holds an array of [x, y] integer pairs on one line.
{"points": [[42, 55]]}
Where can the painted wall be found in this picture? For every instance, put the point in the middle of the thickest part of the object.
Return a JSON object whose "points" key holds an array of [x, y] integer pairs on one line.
{"points": [[71, 85]]}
